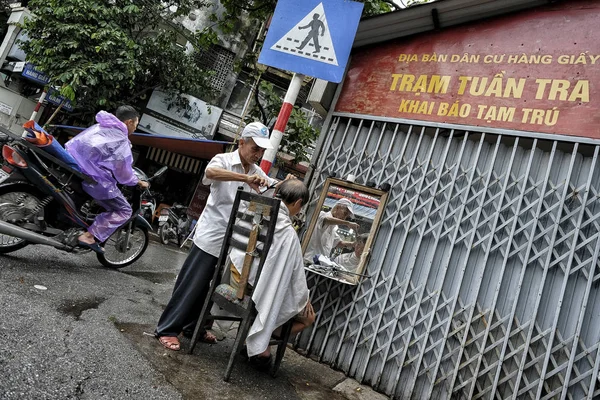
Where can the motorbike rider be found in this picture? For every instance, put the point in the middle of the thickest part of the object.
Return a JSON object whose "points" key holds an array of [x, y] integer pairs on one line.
{"points": [[103, 152]]}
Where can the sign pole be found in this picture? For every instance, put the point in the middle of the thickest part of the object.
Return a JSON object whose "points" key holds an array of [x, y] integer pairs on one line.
{"points": [[36, 110], [38, 106], [282, 120]]}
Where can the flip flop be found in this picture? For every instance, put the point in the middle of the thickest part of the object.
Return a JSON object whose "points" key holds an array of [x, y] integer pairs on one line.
{"points": [[170, 342], [209, 338], [92, 246], [204, 337]]}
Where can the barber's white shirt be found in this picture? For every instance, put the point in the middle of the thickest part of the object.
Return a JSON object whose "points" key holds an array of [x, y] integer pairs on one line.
{"points": [[213, 221], [323, 238]]}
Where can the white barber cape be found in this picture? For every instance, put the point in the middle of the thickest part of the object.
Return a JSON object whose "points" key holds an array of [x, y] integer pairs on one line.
{"points": [[281, 292]]}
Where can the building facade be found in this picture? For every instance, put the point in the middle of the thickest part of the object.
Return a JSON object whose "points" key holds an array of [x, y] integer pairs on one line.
{"points": [[484, 275]]}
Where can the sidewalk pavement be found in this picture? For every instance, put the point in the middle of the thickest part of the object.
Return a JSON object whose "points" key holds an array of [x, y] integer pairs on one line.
{"points": [[200, 375]]}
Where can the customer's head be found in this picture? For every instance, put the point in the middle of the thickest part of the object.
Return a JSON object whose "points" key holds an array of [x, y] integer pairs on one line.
{"points": [[359, 245], [129, 116], [253, 142], [294, 195]]}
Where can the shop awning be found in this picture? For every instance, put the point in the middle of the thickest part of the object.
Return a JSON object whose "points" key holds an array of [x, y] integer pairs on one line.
{"points": [[197, 148]]}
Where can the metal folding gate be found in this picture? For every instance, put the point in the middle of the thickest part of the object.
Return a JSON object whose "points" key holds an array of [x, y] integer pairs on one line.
{"points": [[484, 273]]}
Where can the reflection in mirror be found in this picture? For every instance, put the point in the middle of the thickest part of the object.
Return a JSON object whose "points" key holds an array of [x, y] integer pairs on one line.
{"points": [[338, 239]]}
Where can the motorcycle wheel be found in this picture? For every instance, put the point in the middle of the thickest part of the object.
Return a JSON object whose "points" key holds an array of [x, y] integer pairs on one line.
{"points": [[10, 195], [119, 253], [163, 233]]}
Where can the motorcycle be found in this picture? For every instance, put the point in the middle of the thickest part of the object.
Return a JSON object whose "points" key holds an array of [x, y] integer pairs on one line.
{"points": [[42, 202], [148, 206], [173, 223]]}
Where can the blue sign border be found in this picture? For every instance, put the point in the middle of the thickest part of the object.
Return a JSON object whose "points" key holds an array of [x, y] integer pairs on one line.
{"points": [[342, 19]]}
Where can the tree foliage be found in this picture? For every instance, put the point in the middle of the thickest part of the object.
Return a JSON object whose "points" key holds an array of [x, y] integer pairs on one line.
{"points": [[105, 53], [260, 10]]}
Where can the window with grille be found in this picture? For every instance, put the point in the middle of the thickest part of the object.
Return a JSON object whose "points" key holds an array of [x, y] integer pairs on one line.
{"points": [[219, 60]]}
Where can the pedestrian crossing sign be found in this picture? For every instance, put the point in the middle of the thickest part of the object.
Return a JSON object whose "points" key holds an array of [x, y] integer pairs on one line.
{"points": [[312, 37]]}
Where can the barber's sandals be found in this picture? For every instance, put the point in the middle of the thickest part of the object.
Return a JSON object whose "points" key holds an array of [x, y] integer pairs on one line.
{"points": [[170, 342], [173, 343]]}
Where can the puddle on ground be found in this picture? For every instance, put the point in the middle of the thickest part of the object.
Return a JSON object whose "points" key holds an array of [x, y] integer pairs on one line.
{"points": [[76, 307], [154, 277]]}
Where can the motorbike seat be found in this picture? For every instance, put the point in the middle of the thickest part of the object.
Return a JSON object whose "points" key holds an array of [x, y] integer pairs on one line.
{"points": [[67, 169]]}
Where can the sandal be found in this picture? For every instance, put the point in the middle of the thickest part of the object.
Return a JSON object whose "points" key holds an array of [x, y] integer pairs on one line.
{"points": [[170, 342], [205, 337], [208, 338], [92, 246]]}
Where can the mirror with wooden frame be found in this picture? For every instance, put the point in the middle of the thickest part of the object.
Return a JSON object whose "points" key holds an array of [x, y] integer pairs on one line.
{"points": [[338, 241]]}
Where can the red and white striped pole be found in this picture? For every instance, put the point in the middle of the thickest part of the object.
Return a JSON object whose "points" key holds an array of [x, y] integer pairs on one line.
{"points": [[38, 106], [36, 109], [282, 120]]}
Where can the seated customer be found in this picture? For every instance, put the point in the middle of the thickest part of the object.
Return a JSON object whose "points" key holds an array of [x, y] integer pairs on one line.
{"points": [[281, 292], [350, 261]]}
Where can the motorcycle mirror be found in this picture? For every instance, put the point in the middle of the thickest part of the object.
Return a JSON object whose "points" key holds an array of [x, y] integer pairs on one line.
{"points": [[160, 172]]}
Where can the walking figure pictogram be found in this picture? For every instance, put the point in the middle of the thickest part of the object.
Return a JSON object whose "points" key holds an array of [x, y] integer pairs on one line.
{"points": [[314, 26]]}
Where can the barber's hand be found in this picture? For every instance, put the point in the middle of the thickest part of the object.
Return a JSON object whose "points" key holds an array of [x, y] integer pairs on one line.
{"points": [[287, 177], [255, 182], [143, 184]]}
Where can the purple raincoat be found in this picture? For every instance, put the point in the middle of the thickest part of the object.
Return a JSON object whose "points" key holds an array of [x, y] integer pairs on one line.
{"points": [[103, 151]]}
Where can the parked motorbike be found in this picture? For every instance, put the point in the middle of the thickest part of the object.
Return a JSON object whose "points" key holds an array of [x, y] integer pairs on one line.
{"points": [[42, 202], [173, 223], [148, 206]]}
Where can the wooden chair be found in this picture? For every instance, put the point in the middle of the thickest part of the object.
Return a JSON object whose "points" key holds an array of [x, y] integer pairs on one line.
{"points": [[253, 218]]}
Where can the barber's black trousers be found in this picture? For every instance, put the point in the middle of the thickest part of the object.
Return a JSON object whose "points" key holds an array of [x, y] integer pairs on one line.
{"points": [[191, 287]]}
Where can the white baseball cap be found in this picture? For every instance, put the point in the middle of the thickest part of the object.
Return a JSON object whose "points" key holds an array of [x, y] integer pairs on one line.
{"points": [[346, 203], [259, 133]]}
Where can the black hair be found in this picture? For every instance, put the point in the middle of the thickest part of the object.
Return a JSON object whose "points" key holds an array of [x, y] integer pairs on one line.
{"points": [[124, 113], [292, 190]]}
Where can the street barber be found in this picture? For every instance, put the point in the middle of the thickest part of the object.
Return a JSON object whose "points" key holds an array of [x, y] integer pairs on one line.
{"points": [[224, 173]]}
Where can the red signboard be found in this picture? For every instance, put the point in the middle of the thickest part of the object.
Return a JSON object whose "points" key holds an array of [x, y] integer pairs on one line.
{"points": [[535, 71], [198, 201]]}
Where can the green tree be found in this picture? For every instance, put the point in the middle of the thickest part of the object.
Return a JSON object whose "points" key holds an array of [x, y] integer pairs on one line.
{"points": [[107, 53], [4, 14], [260, 10], [409, 3]]}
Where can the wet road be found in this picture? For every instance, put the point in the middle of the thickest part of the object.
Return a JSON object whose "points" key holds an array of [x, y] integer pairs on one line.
{"points": [[62, 342], [87, 336]]}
